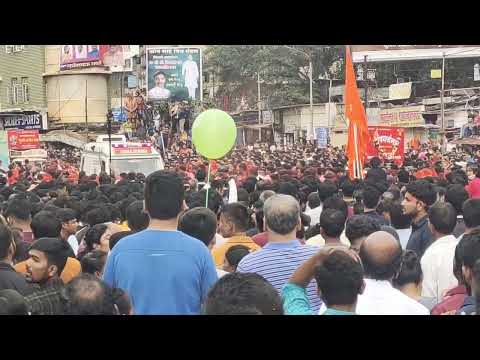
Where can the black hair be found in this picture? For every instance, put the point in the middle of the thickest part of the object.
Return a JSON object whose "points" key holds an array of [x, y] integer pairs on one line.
{"points": [[56, 251], [240, 293], [6, 239], [97, 216], [313, 200], [397, 218], [87, 295], [347, 188], [235, 254], [164, 195], [471, 213], [121, 299], [456, 195], [19, 208], [137, 219], [66, 215], [156, 74], [200, 175], [332, 222], [410, 270], [458, 260], [94, 235], [339, 279], [115, 238], [380, 271], [200, 223], [337, 203], [359, 226], [375, 162], [471, 249], [93, 261], [237, 214], [443, 217], [423, 191], [46, 225], [326, 189], [371, 197]]}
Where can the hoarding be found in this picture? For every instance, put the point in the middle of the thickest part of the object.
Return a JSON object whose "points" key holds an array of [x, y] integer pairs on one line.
{"points": [[4, 152], [79, 56], [174, 73], [23, 139], [387, 143], [321, 134]]}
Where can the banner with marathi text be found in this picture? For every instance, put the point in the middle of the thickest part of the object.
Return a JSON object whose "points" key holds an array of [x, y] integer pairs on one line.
{"points": [[387, 143]]}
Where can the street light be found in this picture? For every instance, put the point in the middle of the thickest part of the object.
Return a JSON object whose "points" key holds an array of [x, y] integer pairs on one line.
{"points": [[310, 75]]}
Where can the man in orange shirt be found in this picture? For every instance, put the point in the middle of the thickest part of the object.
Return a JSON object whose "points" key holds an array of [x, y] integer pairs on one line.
{"points": [[233, 226]]}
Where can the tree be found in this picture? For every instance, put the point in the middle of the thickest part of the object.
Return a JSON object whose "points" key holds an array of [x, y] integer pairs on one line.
{"points": [[284, 72]]}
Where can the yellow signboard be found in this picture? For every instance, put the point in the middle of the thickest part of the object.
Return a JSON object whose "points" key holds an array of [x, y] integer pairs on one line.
{"points": [[436, 73]]}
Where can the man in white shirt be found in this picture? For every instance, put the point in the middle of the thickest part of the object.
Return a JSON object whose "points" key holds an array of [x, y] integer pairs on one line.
{"points": [[437, 262], [401, 222], [381, 255], [68, 218], [314, 208]]}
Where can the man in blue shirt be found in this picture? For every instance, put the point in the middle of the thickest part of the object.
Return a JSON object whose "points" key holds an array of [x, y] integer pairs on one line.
{"points": [[283, 254], [164, 271]]}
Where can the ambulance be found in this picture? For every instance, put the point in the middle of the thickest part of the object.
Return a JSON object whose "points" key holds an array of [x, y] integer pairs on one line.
{"points": [[126, 157]]}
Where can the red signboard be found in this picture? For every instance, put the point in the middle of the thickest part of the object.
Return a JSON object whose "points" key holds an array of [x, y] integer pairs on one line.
{"points": [[23, 139], [136, 150], [387, 143]]}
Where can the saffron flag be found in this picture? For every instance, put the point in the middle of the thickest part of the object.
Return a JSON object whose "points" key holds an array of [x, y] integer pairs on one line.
{"points": [[358, 136]]}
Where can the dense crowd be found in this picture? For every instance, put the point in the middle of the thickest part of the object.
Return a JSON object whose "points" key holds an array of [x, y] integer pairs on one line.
{"points": [[284, 231]]}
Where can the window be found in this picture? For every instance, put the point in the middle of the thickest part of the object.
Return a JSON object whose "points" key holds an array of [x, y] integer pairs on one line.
{"points": [[8, 49], [25, 90], [13, 91]]}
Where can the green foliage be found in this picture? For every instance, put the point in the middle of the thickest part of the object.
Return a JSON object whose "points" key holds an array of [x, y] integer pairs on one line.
{"points": [[283, 72]]}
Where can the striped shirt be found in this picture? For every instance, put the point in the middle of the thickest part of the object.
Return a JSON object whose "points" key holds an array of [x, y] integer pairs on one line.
{"points": [[276, 262]]}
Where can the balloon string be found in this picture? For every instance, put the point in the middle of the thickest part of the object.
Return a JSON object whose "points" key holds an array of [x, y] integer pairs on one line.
{"points": [[208, 182]]}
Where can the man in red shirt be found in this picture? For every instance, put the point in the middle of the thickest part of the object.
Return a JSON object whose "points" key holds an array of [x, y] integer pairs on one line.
{"points": [[473, 187]]}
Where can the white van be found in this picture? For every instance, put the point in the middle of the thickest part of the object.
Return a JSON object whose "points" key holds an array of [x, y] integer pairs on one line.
{"points": [[126, 157]]}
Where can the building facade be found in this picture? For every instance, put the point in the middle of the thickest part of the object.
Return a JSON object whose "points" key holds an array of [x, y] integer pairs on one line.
{"points": [[77, 96]]}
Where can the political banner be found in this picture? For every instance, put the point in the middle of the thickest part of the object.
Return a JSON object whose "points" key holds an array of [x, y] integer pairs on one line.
{"points": [[387, 143], [174, 74], [79, 56], [23, 139], [4, 152]]}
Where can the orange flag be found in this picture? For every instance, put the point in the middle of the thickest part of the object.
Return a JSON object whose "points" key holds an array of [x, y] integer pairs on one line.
{"points": [[358, 135]]}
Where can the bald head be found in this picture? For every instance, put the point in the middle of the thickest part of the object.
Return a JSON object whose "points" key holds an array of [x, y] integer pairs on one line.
{"points": [[282, 214], [381, 254]]}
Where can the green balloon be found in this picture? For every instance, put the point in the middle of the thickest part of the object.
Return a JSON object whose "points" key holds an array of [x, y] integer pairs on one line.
{"points": [[214, 133]]}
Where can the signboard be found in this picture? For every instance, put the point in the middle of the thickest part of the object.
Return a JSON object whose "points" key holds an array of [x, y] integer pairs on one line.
{"points": [[118, 115], [27, 120], [407, 116], [386, 53], [132, 82], [133, 150], [321, 134], [4, 158], [436, 73], [387, 143], [23, 139], [174, 73], [79, 56]]}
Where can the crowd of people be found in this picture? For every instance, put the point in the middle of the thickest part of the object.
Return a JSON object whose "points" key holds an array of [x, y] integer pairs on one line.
{"points": [[269, 229]]}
